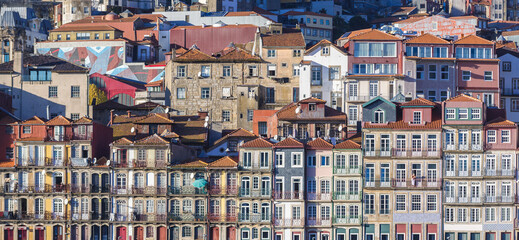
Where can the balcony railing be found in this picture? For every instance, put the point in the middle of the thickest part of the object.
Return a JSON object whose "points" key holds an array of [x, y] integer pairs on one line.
{"points": [[480, 173], [419, 183], [120, 164], [463, 147], [289, 222], [354, 196], [228, 190], [421, 153], [230, 217], [80, 188], [119, 190], [363, 98], [319, 196], [256, 167], [479, 199], [189, 190], [100, 189], [288, 195], [53, 162], [347, 170], [149, 217], [254, 218], [77, 136], [187, 217], [17, 215], [80, 217], [96, 216], [246, 192], [319, 222], [377, 153], [346, 220], [55, 216], [30, 162]]}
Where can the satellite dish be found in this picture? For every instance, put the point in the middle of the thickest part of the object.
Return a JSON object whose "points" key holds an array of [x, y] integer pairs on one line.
{"points": [[207, 118], [206, 124], [95, 160], [66, 201], [167, 110], [108, 163], [43, 172], [114, 151], [199, 74], [192, 175], [133, 129], [340, 128], [276, 137], [298, 109], [227, 150]]}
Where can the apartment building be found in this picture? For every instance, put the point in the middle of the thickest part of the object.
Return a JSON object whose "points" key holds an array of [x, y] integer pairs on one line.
{"points": [[323, 70], [58, 165], [314, 26], [375, 68], [402, 162], [477, 191], [508, 82], [429, 60]]}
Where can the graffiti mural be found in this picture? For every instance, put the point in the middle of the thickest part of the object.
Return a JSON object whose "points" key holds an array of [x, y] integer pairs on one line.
{"points": [[107, 60]]}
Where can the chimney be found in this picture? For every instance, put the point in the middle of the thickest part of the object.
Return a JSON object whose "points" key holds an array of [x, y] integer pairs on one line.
{"points": [[111, 116], [129, 113], [202, 114], [18, 62]]}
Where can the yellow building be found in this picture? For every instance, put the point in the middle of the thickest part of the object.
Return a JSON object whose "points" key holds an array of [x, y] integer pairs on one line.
{"points": [[75, 32]]}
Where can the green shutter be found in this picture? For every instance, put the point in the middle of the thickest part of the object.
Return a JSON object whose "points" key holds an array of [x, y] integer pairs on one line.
{"points": [[384, 228], [354, 230], [370, 228]]}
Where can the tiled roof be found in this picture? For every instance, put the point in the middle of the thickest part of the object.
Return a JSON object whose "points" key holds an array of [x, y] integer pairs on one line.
{"points": [[435, 124], [463, 98], [288, 113], [505, 50], [411, 20], [75, 27], [354, 33], [257, 143], [404, 11], [59, 121], [123, 129], [194, 164], [312, 100], [319, 143], [296, 13], [238, 54], [56, 64], [510, 33], [32, 139], [348, 144], [194, 55], [240, 132], [34, 120], [507, 44], [375, 34], [224, 162], [83, 120], [167, 134], [290, 39], [501, 122], [427, 38], [473, 39], [6, 164], [151, 140], [418, 102], [191, 131], [122, 141], [289, 143], [154, 118]]}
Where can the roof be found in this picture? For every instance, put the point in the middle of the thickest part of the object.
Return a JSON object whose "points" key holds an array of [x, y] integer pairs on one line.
{"points": [[418, 102], [154, 118], [348, 144], [325, 42], [354, 33], [83, 120], [510, 33], [505, 50], [411, 20], [400, 124], [34, 120], [319, 144], [75, 27], [238, 54], [289, 143], [296, 13], [462, 98], [376, 99], [59, 121], [403, 11], [291, 39], [6, 164], [194, 55], [56, 64], [224, 162], [257, 143], [473, 39], [375, 34], [330, 114], [312, 100], [238, 133], [427, 38], [194, 164], [122, 141], [192, 132], [151, 140], [500, 122]]}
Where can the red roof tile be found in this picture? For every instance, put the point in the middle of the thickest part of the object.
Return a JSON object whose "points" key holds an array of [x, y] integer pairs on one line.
{"points": [[348, 144], [290, 39], [59, 121], [500, 122], [122, 141], [154, 118], [418, 102], [224, 162], [194, 55], [463, 98], [257, 143], [194, 164], [152, 140], [473, 39], [319, 143], [375, 34], [289, 143], [312, 100], [296, 13], [34, 120], [427, 39], [83, 120], [435, 124], [288, 113]]}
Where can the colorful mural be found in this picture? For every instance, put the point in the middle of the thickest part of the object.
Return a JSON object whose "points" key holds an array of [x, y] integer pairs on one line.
{"points": [[105, 60]]}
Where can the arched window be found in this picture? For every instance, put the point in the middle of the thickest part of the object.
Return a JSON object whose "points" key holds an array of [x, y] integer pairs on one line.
{"points": [[124, 99]]}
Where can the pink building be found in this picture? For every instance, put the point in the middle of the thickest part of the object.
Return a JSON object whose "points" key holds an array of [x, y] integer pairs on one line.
{"points": [[123, 91]]}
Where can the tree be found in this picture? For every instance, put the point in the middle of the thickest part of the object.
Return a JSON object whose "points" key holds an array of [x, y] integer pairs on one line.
{"points": [[357, 23], [339, 27], [97, 94]]}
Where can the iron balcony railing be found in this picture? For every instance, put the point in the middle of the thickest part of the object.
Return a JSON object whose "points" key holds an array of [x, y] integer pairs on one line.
{"points": [[281, 195], [318, 196], [418, 183], [247, 192], [313, 221], [353, 196], [227, 190], [347, 170], [254, 218], [346, 219], [480, 173], [186, 190], [478, 199], [187, 217], [289, 222], [229, 217]]}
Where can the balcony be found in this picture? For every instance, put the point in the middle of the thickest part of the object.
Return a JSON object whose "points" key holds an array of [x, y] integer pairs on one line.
{"points": [[83, 137], [263, 193], [255, 168], [352, 122], [413, 153], [363, 98], [17, 216], [100, 189], [150, 96], [52, 162], [377, 153], [58, 138], [29, 162], [419, 183], [149, 217], [481, 173], [254, 218], [289, 222], [80, 188], [186, 217], [95, 216], [479, 199], [319, 222], [464, 147], [229, 190], [347, 170], [230, 217], [351, 196], [187, 190], [119, 190], [288, 195], [55, 216], [346, 220], [319, 196], [80, 217], [120, 164]]}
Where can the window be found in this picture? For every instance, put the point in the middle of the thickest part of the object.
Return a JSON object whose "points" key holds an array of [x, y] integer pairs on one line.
{"points": [[271, 53], [74, 91], [490, 214], [444, 72], [488, 76], [462, 214], [400, 202], [226, 115], [26, 129], [250, 115], [181, 93], [9, 153], [74, 116], [440, 52], [205, 71], [474, 214], [107, 35], [82, 36], [325, 51], [379, 116], [384, 204], [491, 136], [369, 204], [431, 202], [96, 36], [450, 113], [418, 51], [181, 71], [475, 113], [271, 70], [262, 128], [186, 231], [226, 72], [325, 160], [432, 96], [226, 92], [205, 93], [462, 52], [53, 91], [507, 66], [270, 95], [506, 215], [311, 161], [449, 214], [295, 70], [465, 75], [373, 89], [375, 50], [59, 37], [505, 136], [417, 117], [280, 159], [40, 75], [432, 72], [296, 53], [463, 113], [369, 68], [335, 73], [316, 76], [420, 71], [416, 202], [253, 71], [312, 107]]}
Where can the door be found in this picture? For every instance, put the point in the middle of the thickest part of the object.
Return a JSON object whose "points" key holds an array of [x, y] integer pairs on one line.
{"points": [[8, 233], [39, 233], [95, 232], [161, 233], [215, 233], [22, 233], [74, 233], [57, 232], [84, 232], [139, 233], [121, 233], [174, 233], [95, 208], [95, 183], [104, 209], [296, 187], [231, 233], [105, 182], [23, 206], [104, 232]]}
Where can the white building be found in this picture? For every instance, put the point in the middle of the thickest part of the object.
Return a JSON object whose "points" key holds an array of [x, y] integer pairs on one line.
{"points": [[509, 82], [322, 72]]}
